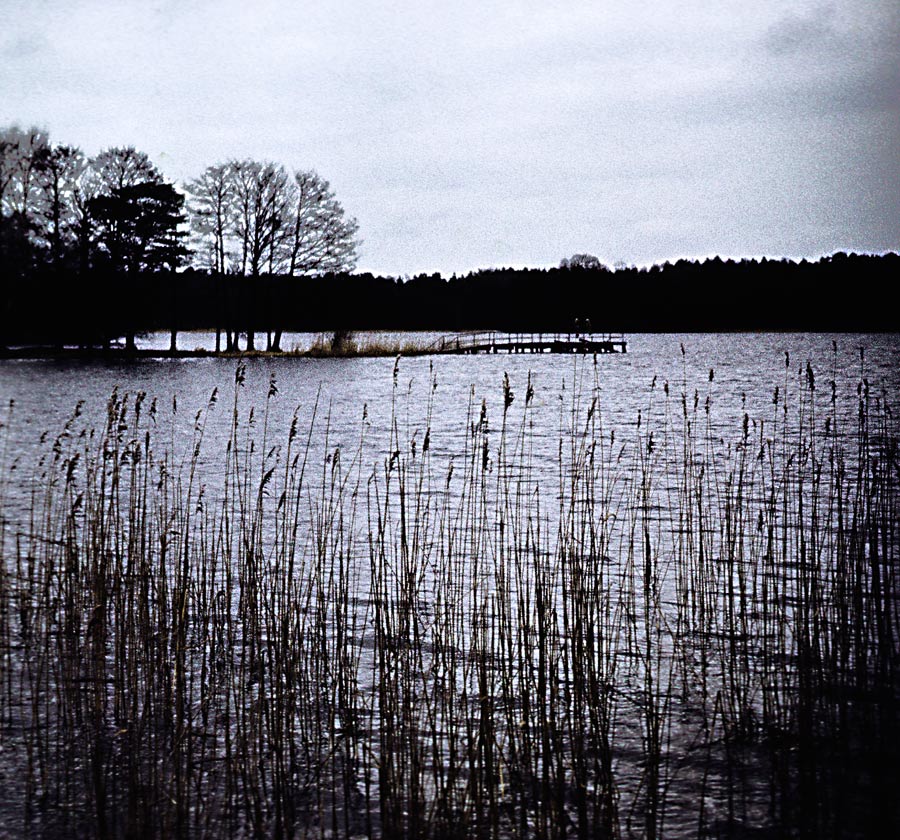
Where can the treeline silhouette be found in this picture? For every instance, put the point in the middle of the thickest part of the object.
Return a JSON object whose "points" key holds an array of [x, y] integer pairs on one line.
{"points": [[842, 292]]}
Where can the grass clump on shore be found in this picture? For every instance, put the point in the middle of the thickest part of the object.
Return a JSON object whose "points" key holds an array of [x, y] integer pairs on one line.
{"points": [[346, 344], [659, 634]]}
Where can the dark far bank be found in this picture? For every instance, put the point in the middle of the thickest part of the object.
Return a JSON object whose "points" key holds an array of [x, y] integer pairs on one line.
{"points": [[90, 309]]}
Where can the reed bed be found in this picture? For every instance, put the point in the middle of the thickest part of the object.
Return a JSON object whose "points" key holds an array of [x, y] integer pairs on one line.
{"points": [[661, 634], [346, 344]]}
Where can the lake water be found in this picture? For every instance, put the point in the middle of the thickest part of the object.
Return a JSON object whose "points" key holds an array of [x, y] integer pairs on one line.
{"points": [[747, 368], [371, 410]]}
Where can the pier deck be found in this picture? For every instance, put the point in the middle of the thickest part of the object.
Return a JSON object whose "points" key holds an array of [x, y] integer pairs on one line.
{"points": [[498, 342]]}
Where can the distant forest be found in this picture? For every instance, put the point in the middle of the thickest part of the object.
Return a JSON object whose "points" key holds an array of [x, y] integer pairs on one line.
{"points": [[96, 249], [841, 293]]}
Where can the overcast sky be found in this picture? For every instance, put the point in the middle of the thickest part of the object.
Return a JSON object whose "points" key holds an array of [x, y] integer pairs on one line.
{"points": [[474, 134]]}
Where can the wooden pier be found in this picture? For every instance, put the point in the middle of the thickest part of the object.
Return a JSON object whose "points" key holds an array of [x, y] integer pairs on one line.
{"points": [[499, 342]]}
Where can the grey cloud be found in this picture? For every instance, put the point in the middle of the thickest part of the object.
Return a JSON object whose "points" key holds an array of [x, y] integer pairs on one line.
{"points": [[27, 46], [803, 32], [831, 60]]}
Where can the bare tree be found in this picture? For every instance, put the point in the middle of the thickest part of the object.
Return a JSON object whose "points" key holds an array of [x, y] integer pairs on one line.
{"points": [[211, 212], [21, 158], [9, 148], [272, 223], [22, 155], [61, 180], [44, 192], [211, 209], [322, 239], [123, 166], [262, 200]]}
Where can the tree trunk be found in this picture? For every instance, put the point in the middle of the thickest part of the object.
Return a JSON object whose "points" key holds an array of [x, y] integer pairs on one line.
{"points": [[228, 316], [173, 330], [126, 302], [251, 315]]}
